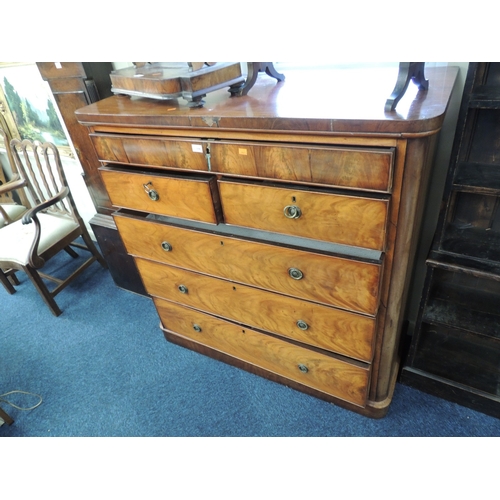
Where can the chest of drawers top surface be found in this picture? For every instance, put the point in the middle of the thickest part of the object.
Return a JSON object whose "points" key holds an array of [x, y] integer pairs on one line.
{"points": [[350, 102]]}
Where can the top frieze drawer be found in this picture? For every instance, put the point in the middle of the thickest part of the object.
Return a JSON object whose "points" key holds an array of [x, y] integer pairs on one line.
{"points": [[348, 167], [151, 151]]}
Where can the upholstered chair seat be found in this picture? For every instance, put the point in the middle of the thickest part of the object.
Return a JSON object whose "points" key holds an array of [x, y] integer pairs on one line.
{"points": [[13, 211], [17, 238]]}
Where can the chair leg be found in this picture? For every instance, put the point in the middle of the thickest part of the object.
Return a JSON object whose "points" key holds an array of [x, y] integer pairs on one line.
{"points": [[71, 252], [6, 417], [6, 283], [11, 274], [43, 290]]}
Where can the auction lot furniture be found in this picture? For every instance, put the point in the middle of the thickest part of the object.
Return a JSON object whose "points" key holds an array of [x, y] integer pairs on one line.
{"points": [[276, 231]]}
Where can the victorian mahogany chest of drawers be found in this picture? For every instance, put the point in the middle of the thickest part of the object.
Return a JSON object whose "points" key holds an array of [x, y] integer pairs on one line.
{"points": [[274, 231]]}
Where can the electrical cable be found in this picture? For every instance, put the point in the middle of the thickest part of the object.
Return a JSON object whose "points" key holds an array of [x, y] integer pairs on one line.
{"points": [[3, 400]]}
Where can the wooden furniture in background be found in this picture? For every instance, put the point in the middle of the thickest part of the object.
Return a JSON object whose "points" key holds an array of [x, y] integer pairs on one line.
{"points": [[76, 84], [455, 349], [277, 231], [171, 80]]}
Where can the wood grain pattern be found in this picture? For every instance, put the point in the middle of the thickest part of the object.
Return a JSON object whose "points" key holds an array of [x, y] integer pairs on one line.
{"points": [[341, 282], [188, 197], [328, 328], [369, 169], [344, 219], [286, 107], [282, 136], [330, 375], [159, 152], [170, 79]]}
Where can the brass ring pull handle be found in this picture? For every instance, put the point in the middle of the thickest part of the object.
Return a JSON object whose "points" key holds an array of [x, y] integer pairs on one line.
{"points": [[166, 246], [295, 273], [182, 289], [151, 192], [302, 325], [292, 212]]}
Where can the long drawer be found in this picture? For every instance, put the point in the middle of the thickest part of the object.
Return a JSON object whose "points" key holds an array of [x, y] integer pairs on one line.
{"points": [[357, 168], [346, 283], [317, 325], [341, 379], [349, 167], [191, 197], [151, 151], [338, 218]]}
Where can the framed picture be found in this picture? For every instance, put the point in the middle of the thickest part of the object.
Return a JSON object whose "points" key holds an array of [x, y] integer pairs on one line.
{"points": [[27, 105]]}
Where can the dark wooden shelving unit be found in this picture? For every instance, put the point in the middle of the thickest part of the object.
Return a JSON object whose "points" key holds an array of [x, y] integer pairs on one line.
{"points": [[455, 348]]}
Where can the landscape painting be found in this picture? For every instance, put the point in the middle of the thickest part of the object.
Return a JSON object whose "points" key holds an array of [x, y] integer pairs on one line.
{"points": [[29, 102]]}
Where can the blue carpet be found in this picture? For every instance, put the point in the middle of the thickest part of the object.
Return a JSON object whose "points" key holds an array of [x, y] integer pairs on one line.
{"points": [[103, 368]]}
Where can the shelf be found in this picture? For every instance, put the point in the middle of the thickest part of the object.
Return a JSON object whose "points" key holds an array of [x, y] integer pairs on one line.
{"points": [[466, 358], [485, 96], [473, 242], [442, 312], [463, 300], [477, 177], [462, 263]]}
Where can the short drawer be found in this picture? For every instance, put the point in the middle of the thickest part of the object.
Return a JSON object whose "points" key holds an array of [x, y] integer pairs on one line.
{"points": [[357, 168], [338, 378], [337, 218], [346, 283], [190, 197], [151, 151], [321, 326]]}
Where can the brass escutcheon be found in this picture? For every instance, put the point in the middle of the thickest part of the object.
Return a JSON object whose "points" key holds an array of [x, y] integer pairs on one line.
{"points": [[151, 192], [292, 212], [166, 246], [302, 325], [295, 273]]}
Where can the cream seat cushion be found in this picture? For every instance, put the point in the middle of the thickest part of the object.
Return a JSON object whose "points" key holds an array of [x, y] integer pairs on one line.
{"points": [[16, 238], [13, 211]]}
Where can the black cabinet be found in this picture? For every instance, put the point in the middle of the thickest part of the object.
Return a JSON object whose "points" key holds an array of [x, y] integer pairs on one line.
{"points": [[455, 348]]}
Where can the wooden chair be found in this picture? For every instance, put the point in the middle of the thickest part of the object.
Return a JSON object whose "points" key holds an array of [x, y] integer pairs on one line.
{"points": [[10, 209], [51, 224]]}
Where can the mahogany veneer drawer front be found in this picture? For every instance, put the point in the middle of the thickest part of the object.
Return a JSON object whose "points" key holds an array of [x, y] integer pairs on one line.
{"points": [[345, 283], [324, 327], [151, 151], [347, 381], [338, 218], [357, 168], [192, 197]]}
